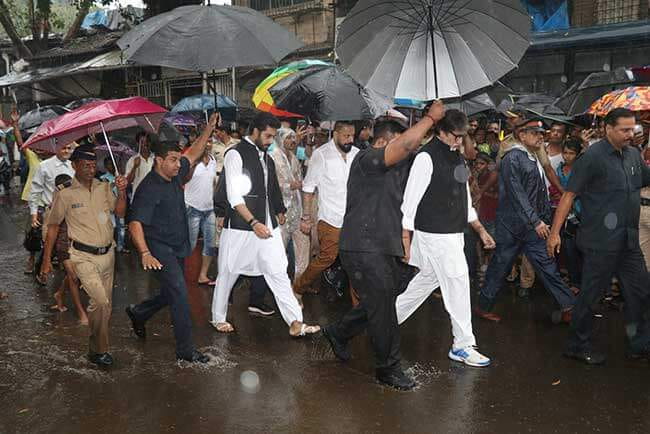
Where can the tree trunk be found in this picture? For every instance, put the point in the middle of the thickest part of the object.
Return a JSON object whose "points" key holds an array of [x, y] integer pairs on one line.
{"points": [[73, 31], [10, 29]]}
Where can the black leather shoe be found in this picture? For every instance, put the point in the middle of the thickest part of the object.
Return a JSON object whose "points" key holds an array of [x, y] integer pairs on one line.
{"points": [[101, 359], [138, 326], [396, 379], [195, 357], [339, 348], [588, 357]]}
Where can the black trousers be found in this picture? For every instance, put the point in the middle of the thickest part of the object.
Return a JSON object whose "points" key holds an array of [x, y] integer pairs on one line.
{"points": [[597, 271], [376, 279], [173, 293]]}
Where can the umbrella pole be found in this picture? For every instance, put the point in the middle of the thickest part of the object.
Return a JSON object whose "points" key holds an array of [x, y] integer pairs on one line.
{"points": [[433, 52], [110, 151]]}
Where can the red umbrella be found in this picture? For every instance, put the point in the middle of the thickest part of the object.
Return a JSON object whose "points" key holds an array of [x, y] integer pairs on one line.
{"points": [[94, 118]]}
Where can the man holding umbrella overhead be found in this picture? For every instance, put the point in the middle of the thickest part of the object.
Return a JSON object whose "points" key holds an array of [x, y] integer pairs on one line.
{"points": [[159, 229], [86, 206]]}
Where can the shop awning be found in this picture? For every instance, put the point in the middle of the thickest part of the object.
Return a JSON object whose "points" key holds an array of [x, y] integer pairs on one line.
{"points": [[103, 62]]}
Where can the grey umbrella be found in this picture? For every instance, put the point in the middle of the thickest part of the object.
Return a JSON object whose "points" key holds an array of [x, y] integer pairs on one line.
{"points": [[32, 119], [206, 38], [579, 97], [429, 49], [326, 93]]}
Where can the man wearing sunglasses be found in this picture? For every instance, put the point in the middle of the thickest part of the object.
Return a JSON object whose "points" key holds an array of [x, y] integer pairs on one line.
{"points": [[523, 218], [436, 209]]}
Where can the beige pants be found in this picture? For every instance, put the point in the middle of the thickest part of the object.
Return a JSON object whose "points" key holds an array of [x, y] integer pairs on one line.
{"points": [[644, 234], [300, 248], [96, 275], [527, 276]]}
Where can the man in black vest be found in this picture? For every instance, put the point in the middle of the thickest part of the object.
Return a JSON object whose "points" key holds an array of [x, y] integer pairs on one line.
{"points": [[251, 241], [370, 245], [523, 215], [437, 208]]}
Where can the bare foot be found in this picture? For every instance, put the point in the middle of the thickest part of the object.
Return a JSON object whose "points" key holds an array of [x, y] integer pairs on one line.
{"points": [[58, 297], [299, 329], [3, 295], [83, 320]]}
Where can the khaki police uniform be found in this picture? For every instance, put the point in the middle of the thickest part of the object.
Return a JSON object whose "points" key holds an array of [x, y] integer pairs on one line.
{"points": [[88, 216]]}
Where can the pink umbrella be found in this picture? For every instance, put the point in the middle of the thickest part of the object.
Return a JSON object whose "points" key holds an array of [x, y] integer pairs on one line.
{"points": [[97, 117]]}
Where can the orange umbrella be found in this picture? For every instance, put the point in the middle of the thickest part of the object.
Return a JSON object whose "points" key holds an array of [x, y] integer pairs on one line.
{"points": [[635, 98]]}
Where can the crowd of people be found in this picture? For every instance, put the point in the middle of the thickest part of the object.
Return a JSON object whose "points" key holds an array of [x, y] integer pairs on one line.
{"points": [[463, 205]]}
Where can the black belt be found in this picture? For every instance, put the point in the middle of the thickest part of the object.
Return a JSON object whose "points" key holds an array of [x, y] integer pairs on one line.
{"points": [[90, 249], [645, 202]]}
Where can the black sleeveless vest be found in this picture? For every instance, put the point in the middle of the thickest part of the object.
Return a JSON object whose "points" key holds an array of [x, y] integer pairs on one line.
{"points": [[256, 199], [443, 208]]}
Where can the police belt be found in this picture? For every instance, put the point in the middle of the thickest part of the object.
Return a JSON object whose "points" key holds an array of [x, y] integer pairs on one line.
{"points": [[645, 202], [91, 249]]}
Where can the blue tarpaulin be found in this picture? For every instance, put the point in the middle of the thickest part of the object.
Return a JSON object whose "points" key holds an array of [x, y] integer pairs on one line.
{"points": [[548, 15], [96, 18]]}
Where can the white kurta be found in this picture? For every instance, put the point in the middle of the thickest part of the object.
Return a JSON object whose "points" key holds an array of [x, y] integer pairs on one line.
{"points": [[242, 252], [440, 258]]}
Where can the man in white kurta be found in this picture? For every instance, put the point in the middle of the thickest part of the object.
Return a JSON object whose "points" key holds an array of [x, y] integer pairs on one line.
{"points": [[433, 210], [258, 250]]}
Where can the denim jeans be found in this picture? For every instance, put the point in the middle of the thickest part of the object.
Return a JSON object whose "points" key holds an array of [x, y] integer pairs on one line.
{"points": [[120, 231], [206, 221]]}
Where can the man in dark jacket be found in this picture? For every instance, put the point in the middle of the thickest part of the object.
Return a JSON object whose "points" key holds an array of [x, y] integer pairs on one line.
{"points": [[523, 217]]}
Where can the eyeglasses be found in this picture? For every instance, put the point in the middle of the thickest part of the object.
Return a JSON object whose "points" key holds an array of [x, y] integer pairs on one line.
{"points": [[458, 136]]}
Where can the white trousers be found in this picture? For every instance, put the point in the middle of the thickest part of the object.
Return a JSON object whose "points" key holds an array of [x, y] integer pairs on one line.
{"points": [[270, 263], [441, 260]]}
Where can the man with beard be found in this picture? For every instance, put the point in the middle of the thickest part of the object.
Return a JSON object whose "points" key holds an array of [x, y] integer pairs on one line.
{"points": [[159, 229], [371, 244], [251, 241], [329, 168]]}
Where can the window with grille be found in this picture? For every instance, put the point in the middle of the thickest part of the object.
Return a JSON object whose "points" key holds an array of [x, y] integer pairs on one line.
{"points": [[597, 12]]}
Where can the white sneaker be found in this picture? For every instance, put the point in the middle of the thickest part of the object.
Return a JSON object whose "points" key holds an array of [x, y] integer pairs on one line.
{"points": [[469, 356]]}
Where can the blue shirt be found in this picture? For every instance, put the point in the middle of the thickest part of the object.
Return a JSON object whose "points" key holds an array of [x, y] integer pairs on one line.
{"points": [[159, 205]]}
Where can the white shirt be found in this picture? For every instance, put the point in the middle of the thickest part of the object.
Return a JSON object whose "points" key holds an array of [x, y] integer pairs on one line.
{"points": [[43, 181], [422, 170], [238, 184], [199, 191], [146, 164], [328, 172]]}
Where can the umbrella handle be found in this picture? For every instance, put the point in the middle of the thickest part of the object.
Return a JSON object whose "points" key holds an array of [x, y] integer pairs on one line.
{"points": [[110, 151]]}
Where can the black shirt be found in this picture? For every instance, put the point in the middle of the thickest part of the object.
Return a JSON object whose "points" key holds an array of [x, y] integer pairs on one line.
{"points": [[160, 206], [609, 184], [373, 219]]}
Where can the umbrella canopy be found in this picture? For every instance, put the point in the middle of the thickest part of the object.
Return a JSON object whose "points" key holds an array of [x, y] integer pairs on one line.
{"points": [[423, 49], [262, 98], [579, 97], [635, 98], [205, 38], [536, 103], [33, 118], [80, 102], [203, 102], [95, 117], [325, 92], [470, 105]]}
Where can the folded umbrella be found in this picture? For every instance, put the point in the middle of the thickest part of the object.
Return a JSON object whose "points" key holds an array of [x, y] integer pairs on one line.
{"points": [[423, 49], [32, 119]]}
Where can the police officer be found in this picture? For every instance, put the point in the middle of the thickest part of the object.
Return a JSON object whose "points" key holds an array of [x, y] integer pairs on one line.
{"points": [[608, 178], [86, 207]]}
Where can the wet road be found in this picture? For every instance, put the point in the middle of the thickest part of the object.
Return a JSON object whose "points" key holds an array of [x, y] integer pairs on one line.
{"points": [[260, 380]]}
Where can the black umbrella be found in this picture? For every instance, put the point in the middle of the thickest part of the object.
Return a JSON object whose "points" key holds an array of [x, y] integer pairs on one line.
{"points": [[79, 102], [579, 97], [206, 38], [538, 104], [34, 118], [327, 93]]}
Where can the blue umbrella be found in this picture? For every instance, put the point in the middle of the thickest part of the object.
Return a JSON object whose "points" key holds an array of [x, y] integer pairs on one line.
{"points": [[204, 102]]}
